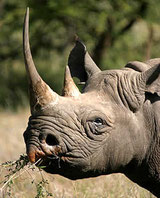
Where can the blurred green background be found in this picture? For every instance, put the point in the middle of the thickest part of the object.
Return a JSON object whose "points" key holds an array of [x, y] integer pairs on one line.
{"points": [[115, 32]]}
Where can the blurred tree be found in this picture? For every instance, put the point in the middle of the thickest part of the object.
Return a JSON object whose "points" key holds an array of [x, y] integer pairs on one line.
{"points": [[114, 32], [118, 22]]}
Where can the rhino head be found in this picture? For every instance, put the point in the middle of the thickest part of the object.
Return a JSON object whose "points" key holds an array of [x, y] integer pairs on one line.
{"points": [[105, 129]]}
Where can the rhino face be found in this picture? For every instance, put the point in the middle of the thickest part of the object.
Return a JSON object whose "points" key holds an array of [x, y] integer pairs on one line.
{"points": [[87, 134], [77, 139], [70, 137]]}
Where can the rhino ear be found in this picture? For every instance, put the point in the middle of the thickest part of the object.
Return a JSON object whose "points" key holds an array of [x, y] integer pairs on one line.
{"points": [[150, 80], [140, 84], [138, 66], [80, 63]]}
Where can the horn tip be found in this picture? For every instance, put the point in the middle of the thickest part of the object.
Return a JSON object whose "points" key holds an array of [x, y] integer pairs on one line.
{"points": [[67, 72], [26, 18], [67, 68], [27, 10]]}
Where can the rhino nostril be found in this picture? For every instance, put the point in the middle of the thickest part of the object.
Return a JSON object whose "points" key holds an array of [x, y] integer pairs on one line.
{"points": [[51, 140]]}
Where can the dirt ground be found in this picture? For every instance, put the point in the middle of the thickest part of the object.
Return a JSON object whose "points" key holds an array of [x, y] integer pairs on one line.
{"points": [[12, 126]]}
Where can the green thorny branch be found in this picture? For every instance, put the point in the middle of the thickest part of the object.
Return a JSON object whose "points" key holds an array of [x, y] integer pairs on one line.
{"points": [[17, 168]]}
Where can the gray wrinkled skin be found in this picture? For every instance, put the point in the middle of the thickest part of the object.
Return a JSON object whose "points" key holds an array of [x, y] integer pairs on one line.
{"points": [[126, 141], [113, 126]]}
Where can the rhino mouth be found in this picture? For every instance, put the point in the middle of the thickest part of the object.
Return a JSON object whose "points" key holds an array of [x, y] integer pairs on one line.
{"points": [[40, 146], [48, 151], [52, 160], [54, 155]]}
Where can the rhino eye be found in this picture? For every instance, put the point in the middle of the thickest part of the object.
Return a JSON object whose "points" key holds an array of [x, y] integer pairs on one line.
{"points": [[98, 122], [98, 125]]}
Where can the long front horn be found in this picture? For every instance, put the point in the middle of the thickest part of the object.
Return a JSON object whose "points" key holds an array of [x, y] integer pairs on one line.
{"points": [[40, 92], [70, 89]]}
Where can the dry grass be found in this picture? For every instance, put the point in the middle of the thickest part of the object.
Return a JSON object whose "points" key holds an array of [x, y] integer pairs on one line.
{"points": [[12, 145]]}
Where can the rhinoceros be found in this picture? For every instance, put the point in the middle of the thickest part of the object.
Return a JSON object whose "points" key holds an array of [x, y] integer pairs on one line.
{"points": [[113, 126]]}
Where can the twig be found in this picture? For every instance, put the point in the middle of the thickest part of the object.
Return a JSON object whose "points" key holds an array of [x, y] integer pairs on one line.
{"points": [[13, 176]]}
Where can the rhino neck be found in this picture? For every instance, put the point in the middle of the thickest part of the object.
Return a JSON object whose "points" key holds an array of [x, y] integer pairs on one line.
{"points": [[142, 176], [147, 173], [153, 157], [153, 160]]}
